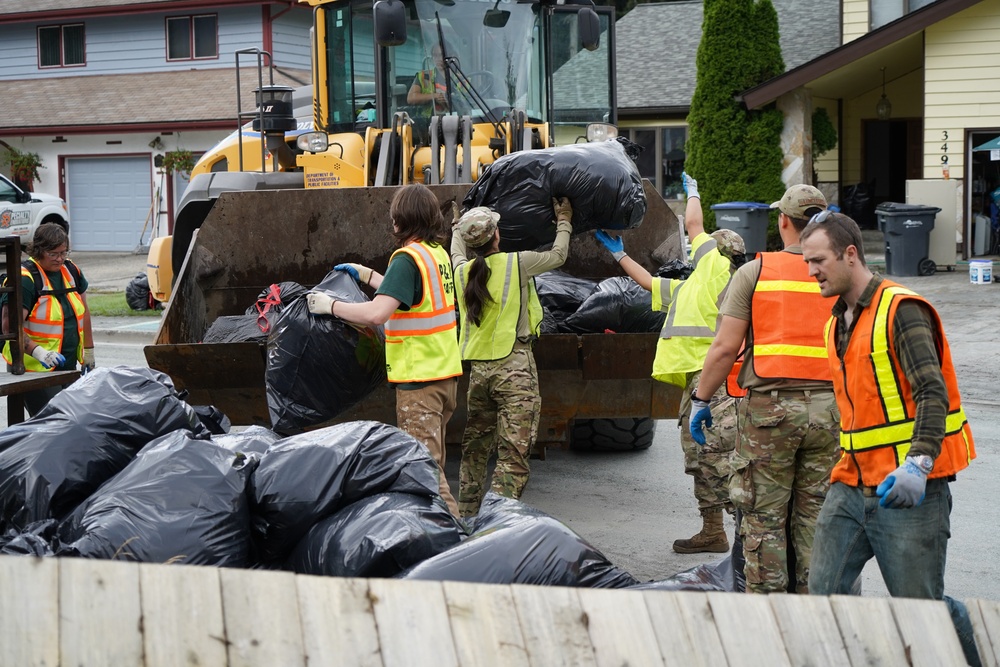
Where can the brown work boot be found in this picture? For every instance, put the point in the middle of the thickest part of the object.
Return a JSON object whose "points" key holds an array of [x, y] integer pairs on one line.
{"points": [[711, 538]]}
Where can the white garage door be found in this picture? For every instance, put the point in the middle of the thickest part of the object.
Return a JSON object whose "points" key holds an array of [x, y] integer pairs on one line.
{"points": [[108, 201]]}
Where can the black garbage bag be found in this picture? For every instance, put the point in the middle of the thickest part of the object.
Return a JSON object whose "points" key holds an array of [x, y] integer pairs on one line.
{"points": [[718, 576], [305, 478], [213, 419], [252, 440], [675, 268], [513, 543], [319, 366], [258, 320], [619, 305], [602, 182], [137, 294], [85, 435], [560, 295], [181, 500], [377, 536], [37, 539]]}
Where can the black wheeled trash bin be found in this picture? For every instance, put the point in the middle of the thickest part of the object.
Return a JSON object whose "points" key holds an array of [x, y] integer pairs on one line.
{"points": [[907, 229], [746, 218]]}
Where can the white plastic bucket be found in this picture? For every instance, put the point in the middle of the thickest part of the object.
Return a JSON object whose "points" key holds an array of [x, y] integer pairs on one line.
{"points": [[980, 271]]}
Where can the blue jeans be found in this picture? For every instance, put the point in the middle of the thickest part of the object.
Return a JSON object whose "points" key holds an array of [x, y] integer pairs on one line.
{"points": [[909, 545]]}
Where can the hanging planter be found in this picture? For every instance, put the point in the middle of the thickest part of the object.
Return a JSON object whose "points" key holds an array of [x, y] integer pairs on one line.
{"points": [[24, 166], [178, 162]]}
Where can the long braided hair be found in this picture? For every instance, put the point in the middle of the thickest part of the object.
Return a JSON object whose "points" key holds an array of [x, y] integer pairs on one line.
{"points": [[476, 293]]}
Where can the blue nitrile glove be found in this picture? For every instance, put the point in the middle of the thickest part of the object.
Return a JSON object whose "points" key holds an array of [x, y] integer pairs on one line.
{"points": [[361, 274], [701, 416], [903, 488], [47, 358], [690, 186], [614, 244]]}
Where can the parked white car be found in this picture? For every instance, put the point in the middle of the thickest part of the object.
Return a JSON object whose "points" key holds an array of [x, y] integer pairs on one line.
{"points": [[21, 212]]}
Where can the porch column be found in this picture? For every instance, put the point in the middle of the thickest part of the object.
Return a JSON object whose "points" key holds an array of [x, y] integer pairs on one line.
{"points": [[796, 137]]}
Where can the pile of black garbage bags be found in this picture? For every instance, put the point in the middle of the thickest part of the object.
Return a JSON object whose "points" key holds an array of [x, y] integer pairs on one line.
{"points": [[118, 466]]}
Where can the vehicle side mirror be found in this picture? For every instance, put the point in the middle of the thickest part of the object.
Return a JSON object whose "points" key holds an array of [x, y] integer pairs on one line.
{"points": [[589, 28], [496, 18], [390, 22]]}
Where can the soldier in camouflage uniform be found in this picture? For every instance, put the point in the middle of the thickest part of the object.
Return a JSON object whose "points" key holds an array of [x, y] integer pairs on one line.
{"points": [[692, 307], [500, 317], [788, 421]]}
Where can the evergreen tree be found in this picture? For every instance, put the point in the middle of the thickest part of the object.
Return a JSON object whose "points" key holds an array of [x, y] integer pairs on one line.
{"points": [[736, 154]]}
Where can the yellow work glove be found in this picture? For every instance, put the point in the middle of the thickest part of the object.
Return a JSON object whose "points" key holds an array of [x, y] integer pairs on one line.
{"points": [[563, 209]]}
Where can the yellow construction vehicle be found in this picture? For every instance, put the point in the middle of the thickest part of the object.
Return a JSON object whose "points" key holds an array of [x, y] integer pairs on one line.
{"points": [[403, 91]]}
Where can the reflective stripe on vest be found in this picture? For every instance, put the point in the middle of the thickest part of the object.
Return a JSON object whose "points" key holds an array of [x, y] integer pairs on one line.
{"points": [[496, 334], [421, 345], [877, 407], [706, 329], [788, 318]]}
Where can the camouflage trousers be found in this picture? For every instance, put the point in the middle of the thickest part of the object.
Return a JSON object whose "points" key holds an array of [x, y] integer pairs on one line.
{"points": [[504, 405], [780, 475], [709, 463]]}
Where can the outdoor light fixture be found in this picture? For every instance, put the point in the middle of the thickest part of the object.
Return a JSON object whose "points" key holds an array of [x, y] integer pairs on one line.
{"points": [[884, 107], [156, 144]]}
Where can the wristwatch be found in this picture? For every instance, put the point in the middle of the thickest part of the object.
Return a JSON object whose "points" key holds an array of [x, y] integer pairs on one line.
{"points": [[924, 462]]}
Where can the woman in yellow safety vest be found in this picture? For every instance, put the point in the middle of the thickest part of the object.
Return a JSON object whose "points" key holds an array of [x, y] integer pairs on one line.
{"points": [[500, 317], [57, 328], [415, 300]]}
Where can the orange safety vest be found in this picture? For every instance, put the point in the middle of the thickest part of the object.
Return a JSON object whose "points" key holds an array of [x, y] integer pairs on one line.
{"points": [[787, 322], [421, 344], [876, 403], [44, 323]]}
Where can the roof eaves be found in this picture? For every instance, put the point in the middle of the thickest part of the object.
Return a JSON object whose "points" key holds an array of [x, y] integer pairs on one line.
{"points": [[888, 34], [122, 9]]}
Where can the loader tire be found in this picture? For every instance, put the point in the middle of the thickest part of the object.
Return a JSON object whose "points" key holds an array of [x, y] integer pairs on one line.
{"points": [[612, 435]]}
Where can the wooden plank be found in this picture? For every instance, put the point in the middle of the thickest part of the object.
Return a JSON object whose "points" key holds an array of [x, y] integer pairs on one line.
{"points": [[29, 615], [554, 626], [261, 611], [700, 624], [413, 625], [986, 626], [869, 631], [809, 629], [672, 634], [927, 632], [621, 631], [182, 615], [748, 629], [338, 624], [100, 613], [484, 624]]}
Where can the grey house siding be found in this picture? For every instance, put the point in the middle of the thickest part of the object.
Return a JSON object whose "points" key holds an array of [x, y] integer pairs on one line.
{"points": [[130, 44], [290, 48]]}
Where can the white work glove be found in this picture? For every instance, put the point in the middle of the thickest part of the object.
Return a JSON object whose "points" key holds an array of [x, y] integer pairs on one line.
{"points": [[89, 363], [320, 303], [359, 272], [47, 358], [690, 186]]}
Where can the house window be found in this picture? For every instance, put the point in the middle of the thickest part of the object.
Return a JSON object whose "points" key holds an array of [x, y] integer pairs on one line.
{"points": [[887, 11], [192, 37], [61, 46], [662, 158]]}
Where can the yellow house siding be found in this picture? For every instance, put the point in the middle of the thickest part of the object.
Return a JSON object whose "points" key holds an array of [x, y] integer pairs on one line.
{"points": [[962, 68], [855, 19], [827, 167]]}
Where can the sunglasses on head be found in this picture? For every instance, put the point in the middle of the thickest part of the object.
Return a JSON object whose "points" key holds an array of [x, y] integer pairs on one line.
{"points": [[822, 216]]}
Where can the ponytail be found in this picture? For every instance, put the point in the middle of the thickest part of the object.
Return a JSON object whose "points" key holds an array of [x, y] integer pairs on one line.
{"points": [[476, 293]]}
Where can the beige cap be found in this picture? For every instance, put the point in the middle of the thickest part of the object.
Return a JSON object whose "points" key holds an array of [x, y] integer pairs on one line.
{"points": [[797, 201], [477, 226], [728, 242]]}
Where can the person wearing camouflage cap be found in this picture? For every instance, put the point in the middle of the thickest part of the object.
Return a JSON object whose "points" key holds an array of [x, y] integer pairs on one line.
{"points": [[499, 318], [692, 307], [789, 421]]}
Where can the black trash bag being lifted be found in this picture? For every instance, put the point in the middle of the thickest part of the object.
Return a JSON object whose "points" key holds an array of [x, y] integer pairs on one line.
{"points": [[256, 323], [305, 478], [181, 500], [602, 182], [318, 365], [377, 536], [619, 305], [85, 435], [513, 543]]}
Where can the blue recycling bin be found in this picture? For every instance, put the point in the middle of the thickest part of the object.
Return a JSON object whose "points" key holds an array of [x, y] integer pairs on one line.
{"points": [[746, 218], [907, 231]]}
